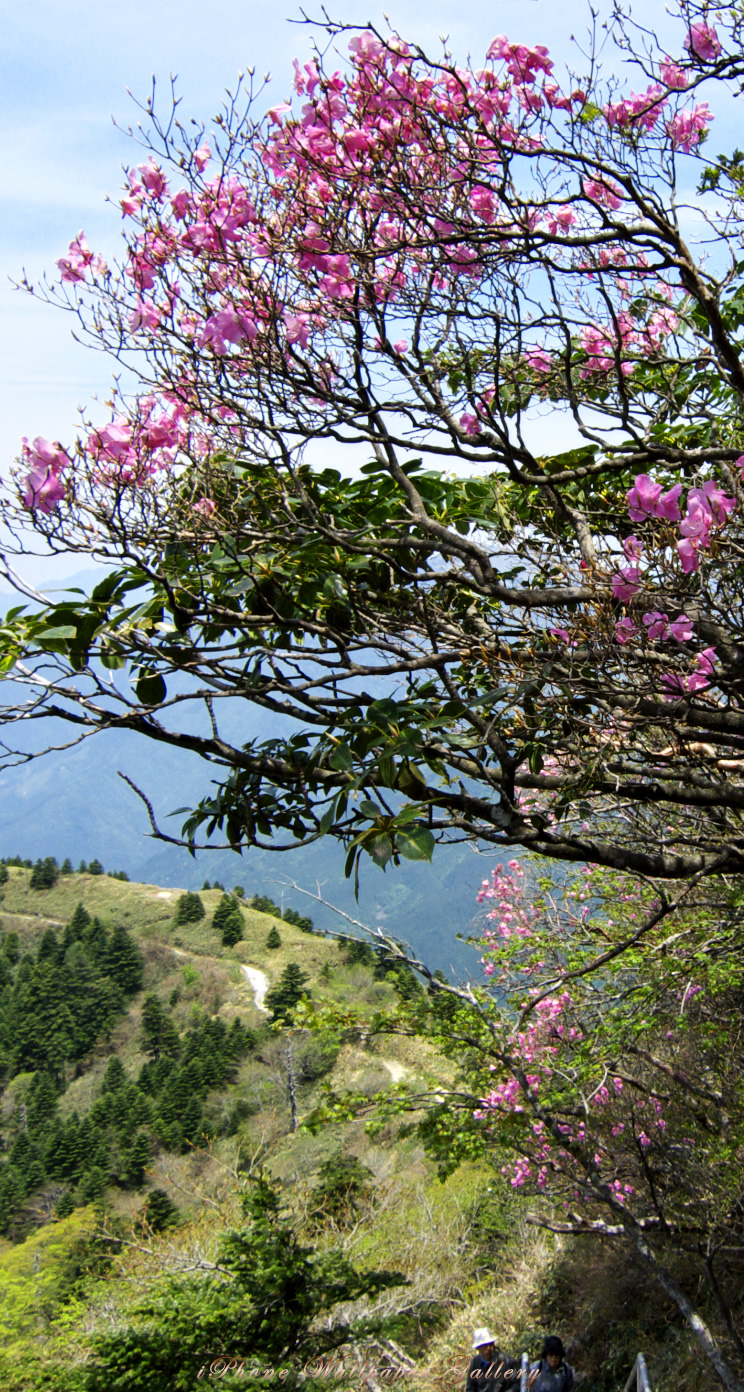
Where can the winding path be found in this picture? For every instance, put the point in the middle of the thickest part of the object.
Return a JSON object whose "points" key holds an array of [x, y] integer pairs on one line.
{"points": [[259, 982]]}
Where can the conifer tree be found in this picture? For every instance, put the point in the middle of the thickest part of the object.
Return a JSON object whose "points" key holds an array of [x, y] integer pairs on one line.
{"points": [[284, 996], [76, 927], [96, 868], [4, 877], [50, 947], [124, 962], [66, 868], [159, 1035], [11, 948], [115, 1076], [44, 874], [137, 1159], [226, 906], [159, 1211], [232, 929], [189, 909], [274, 939]]}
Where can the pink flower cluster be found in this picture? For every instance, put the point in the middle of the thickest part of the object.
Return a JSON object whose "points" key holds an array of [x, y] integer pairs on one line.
{"points": [[78, 260], [522, 63], [702, 41], [707, 509], [42, 487]]}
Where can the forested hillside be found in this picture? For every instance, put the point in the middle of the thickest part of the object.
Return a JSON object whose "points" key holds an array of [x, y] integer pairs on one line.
{"points": [[206, 1169]]}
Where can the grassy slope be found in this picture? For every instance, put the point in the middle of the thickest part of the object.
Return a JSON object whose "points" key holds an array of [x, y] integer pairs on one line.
{"points": [[528, 1284]]}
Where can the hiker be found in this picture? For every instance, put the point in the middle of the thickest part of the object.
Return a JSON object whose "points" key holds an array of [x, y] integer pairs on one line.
{"points": [[490, 1370], [551, 1373]]}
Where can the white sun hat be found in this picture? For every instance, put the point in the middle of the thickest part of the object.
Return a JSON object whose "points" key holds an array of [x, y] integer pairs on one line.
{"points": [[481, 1337]]}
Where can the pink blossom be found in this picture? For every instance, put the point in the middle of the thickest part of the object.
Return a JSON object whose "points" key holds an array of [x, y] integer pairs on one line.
{"points": [[673, 75], [706, 660], [145, 315], [657, 625], [470, 423], [79, 257], [538, 359], [153, 178], [181, 203], [645, 499], [627, 584], [561, 221], [633, 548], [522, 63], [43, 454], [687, 128], [639, 109], [712, 497], [643, 1140], [298, 329], [702, 40], [617, 1083], [224, 327], [205, 507], [603, 192], [687, 551], [401, 346], [202, 156], [43, 490], [483, 203], [682, 629], [115, 439]]}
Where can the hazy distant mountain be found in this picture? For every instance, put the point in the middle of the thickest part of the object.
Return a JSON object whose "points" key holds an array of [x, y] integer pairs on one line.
{"points": [[72, 803]]}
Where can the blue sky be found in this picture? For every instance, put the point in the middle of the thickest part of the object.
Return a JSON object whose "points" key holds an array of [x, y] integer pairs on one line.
{"points": [[64, 73]]}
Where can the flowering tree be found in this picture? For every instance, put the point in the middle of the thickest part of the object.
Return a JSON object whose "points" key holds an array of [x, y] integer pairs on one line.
{"points": [[599, 1068], [399, 269]]}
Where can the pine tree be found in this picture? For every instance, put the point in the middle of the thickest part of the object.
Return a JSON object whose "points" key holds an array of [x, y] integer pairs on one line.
{"points": [[189, 909], [232, 928], [50, 948], [44, 874], [66, 867], [225, 907], [76, 927], [206, 885], [137, 1159], [11, 948], [159, 1211], [4, 876], [289, 989], [274, 939], [95, 868], [83, 868], [124, 962], [115, 1076], [262, 904], [159, 1035]]}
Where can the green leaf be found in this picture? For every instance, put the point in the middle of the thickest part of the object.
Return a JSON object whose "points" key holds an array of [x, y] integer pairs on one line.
{"points": [[370, 809], [416, 845], [150, 688], [380, 848], [57, 634]]}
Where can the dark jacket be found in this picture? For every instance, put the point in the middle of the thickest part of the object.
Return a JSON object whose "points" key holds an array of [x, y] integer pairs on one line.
{"points": [[501, 1374], [544, 1379]]}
